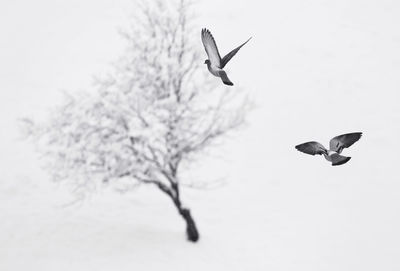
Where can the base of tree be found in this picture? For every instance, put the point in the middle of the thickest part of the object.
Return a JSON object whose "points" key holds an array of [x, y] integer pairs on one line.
{"points": [[191, 229]]}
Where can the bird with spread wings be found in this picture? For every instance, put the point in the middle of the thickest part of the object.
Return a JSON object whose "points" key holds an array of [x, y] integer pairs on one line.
{"points": [[215, 63], [336, 146]]}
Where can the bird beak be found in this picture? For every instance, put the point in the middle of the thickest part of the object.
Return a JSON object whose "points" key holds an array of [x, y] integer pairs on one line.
{"points": [[205, 62]]}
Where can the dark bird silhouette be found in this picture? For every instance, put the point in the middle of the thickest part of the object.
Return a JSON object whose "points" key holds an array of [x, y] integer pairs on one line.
{"points": [[336, 146], [214, 62]]}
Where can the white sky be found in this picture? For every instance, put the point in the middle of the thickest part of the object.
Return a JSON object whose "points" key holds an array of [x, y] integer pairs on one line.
{"points": [[316, 69]]}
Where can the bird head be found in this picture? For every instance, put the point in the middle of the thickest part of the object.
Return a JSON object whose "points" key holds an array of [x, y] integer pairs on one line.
{"points": [[207, 61]]}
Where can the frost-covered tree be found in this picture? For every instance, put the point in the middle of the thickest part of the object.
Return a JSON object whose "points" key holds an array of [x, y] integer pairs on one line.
{"points": [[149, 118]]}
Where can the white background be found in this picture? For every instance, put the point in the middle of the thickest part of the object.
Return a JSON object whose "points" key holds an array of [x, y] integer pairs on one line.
{"points": [[316, 69]]}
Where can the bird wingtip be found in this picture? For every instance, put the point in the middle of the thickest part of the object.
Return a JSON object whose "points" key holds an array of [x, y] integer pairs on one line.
{"points": [[297, 147], [358, 135]]}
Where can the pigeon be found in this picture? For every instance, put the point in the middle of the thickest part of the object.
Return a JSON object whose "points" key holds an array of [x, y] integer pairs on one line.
{"points": [[214, 62], [336, 146]]}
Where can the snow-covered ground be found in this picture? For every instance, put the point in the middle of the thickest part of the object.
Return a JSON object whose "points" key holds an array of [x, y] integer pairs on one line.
{"points": [[315, 68]]}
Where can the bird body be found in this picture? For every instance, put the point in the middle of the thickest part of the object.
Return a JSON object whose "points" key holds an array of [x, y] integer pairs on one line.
{"points": [[215, 63], [335, 158], [214, 70], [218, 72], [331, 152], [336, 146]]}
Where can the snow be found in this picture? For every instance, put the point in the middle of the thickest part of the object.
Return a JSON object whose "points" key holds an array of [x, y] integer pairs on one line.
{"points": [[318, 69]]}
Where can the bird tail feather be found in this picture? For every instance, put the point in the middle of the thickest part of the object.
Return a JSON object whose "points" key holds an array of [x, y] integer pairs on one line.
{"points": [[225, 78], [338, 159]]}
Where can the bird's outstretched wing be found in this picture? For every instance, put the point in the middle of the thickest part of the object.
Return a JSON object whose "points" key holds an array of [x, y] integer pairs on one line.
{"points": [[340, 142], [211, 47], [312, 148], [228, 57]]}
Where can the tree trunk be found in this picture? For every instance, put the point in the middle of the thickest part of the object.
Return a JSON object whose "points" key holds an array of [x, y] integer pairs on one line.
{"points": [[173, 193], [191, 229]]}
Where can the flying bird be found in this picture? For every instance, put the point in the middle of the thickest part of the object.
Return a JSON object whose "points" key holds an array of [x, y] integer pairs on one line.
{"points": [[336, 146], [214, 62]]}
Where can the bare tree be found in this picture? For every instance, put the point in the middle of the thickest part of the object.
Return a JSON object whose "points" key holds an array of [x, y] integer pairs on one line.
{"points": [[152, 115]]}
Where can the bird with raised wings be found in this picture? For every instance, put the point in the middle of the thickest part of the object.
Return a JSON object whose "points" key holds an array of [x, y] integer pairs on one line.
{"points": [[214, 62], [336, 146]]}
